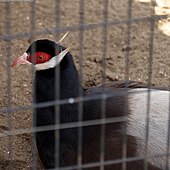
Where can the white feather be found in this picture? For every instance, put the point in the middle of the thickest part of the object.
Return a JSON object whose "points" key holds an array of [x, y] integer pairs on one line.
{"points": [[159, 115], [63, 37]]}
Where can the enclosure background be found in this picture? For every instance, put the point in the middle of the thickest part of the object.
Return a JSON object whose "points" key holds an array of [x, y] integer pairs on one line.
{"points": [[20, 17]]}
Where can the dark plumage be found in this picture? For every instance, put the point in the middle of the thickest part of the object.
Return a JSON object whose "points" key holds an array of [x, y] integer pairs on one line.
{"points": [[70, 86]]}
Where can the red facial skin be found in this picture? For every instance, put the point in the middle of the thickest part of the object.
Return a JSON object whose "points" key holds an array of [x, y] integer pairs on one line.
{"points": [[39, 57]]}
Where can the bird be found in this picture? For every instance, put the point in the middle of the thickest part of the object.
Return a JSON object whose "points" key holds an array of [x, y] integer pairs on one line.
{"points": [[135, 116]]}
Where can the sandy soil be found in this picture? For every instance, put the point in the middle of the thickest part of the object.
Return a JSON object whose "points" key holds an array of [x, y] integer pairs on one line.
{"points": [[16, 85]]}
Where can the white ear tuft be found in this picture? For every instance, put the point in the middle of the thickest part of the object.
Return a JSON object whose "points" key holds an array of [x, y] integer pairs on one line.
{"points": [[61, 55], [63, 37]]}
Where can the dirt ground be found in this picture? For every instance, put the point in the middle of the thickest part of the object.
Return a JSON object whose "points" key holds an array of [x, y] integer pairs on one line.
{"points": [[16, 84]]}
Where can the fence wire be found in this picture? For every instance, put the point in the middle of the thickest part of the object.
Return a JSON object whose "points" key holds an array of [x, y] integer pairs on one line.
{"points": [[81, 27]]}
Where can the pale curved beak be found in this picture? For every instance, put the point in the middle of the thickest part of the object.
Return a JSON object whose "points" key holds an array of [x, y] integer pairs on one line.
{"points": [[20, 60]]}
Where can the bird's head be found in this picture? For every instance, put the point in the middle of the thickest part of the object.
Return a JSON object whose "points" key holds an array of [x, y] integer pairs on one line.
{"points": [[43, 54]]}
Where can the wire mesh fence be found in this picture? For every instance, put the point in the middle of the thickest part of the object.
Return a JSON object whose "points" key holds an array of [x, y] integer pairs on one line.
{"points": [[51, 19]]}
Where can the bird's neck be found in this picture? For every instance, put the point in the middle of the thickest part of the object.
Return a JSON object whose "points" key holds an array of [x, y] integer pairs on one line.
{"points": [[64, 77], [67, 82], [69, 87]]}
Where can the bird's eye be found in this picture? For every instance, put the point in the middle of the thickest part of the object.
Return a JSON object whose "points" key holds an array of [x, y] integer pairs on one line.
{"points": [[41, 57]]}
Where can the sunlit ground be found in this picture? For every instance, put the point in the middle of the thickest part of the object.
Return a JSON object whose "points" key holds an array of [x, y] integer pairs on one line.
{"points": [[162, 7]]}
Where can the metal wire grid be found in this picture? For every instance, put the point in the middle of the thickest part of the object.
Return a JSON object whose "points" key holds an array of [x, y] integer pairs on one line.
{"points": [[103, 121]]}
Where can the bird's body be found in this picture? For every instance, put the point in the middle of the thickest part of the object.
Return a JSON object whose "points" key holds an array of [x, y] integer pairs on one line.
{"points": [[129, 106]]}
